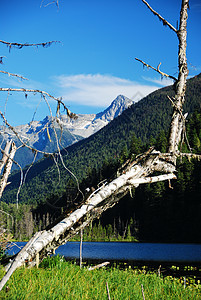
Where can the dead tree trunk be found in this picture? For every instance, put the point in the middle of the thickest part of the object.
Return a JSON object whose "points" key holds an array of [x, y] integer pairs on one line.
{"points": [[6, 162], [135, 173], [5, 155], [177, 124]]}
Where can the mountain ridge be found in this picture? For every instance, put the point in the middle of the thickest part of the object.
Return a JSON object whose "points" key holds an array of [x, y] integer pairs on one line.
{"points": [[41, 134], [145, 119]]}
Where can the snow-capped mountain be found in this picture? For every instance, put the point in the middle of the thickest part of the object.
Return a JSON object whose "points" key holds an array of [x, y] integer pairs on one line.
{"points": [[41, 134], [88, 124]]}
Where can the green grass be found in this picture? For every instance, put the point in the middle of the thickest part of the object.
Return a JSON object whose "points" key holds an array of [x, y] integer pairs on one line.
{"points": [[58, 279]]}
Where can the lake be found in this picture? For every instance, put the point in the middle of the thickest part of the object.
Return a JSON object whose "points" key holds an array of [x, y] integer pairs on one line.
{"points": [[126, 251]]}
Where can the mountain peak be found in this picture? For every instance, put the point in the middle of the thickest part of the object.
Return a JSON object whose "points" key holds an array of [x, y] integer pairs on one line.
{"points": [[36, 134], [118, 105]]}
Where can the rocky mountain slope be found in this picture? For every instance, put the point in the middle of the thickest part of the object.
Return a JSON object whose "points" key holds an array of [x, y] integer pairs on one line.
{"points": [[86, 125], [41, 134]]}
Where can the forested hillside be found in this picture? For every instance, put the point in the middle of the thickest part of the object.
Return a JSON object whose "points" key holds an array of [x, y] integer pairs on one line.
{"points": [[147, 119], [153, 212]]}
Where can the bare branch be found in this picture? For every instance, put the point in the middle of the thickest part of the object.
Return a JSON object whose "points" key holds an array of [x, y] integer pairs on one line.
{"points": [[99, 266], [29, 167], [14, 75], [59, 100], [56, 2], [190, 156], [136, 181], [165, 22], [21, 45], [156, 69], [19, 138]]}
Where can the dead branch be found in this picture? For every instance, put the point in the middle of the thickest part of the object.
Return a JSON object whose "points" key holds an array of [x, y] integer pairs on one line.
{"points": [[81, 240], [108, 291], [30, 167], [99, 266], [21, 45], [43, 93], [166, 23], [56, 2], [156, 69], [136, 182], [102, 199], [34, 150], [25, 144], [190, 156], [14, 75], [143, 296]]}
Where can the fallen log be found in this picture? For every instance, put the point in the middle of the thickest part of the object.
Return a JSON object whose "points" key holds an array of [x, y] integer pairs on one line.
{"points": [[45, 242]]}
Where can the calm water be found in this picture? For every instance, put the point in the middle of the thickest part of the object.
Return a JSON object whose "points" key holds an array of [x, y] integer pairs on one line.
{"points": [[129, 251]]}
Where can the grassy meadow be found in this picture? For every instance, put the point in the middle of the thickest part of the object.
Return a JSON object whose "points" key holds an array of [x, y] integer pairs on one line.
{"points": [[57, 279]]}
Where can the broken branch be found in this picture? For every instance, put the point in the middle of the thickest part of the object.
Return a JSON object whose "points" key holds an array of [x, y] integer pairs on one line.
{"points": [[99, 266], [156, 69], [69, 113], [165, 22], [14, 75], [21, 45]]}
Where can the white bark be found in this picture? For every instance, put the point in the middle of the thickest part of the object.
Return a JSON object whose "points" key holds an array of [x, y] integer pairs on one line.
{"points": [[7, 168], [49, 240], [175, 133], [5, 154], [19, 261], [99, 266]]}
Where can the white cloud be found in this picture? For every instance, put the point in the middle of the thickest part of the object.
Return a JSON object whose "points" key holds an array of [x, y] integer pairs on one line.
{"points": [[94, 90], [99, 90]]}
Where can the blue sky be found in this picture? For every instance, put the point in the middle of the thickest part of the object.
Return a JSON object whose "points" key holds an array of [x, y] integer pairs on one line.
{"points": [[94, 62]]}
